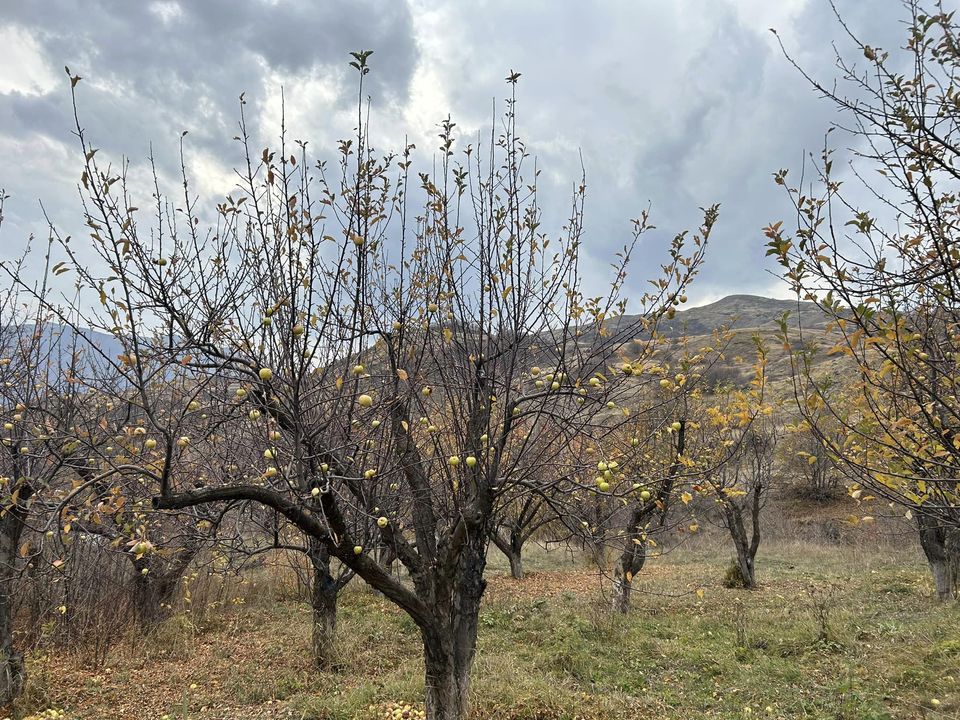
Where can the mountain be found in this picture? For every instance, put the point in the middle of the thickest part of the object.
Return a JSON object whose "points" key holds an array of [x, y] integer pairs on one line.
{"points": [[742, 313]]}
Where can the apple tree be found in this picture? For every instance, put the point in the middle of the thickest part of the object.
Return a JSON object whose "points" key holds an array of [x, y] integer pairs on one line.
{"points": [[879, 254], [399, 345]]}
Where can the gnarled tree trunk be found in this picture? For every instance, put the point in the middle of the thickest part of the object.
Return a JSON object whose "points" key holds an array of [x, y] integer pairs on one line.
{"points": [[630, 563], [12, 671], [941, 545], [450, 642], [324, 590], [745, 546], [154, 591], [510, 544]]}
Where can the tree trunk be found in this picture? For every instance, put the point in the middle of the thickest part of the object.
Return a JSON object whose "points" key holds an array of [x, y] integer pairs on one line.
{"points": [[153, 596], [12, 671], [512, 548], [154, 592], [634, 553], [941, 545], [323, 599], [450, 642], [630, 563], [746, 549], [516, 564], [447, 681]]}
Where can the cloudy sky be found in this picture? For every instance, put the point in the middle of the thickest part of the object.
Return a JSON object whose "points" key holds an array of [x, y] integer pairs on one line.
{"points": [[673, 103]]}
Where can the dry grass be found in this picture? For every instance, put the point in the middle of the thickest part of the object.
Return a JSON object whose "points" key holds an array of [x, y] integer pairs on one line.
{"points": [[832, 633]]}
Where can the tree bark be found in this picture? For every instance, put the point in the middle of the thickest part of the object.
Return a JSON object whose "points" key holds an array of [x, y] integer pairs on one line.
{"points": [[743, 546], [12, 671], [630, 563], [450, 641], [512, 547], [941, 545], [154, 592], [323, 599]]}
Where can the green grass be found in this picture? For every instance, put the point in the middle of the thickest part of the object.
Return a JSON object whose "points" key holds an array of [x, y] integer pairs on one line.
{"points": [[832, 633]]}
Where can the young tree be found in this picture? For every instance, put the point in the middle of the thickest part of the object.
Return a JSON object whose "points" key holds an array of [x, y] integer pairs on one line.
{"points": [[887, 275], [383, 357], [738, 460]]}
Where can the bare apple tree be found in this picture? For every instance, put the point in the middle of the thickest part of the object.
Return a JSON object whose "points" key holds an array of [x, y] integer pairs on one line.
{"points": [[399, 345]]}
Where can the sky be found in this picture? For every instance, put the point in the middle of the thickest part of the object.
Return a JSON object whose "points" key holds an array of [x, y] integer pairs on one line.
{"points": [[671, 104]]}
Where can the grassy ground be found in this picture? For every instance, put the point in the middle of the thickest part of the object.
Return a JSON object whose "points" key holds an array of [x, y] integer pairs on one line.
{"points": [[832, 634]]}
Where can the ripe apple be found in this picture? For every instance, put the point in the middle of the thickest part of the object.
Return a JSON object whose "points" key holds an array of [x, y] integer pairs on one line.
{"points": [[265, 374], [150, 444], [254, 414], [358, 369], [270, 472], [426, 391], [275, 435], [454, 461], [471, 461], [357, 549], [268, 454], [298, 330], [675, 426], [315, 492], [369, 473], [604, 486], [183, 441], [241, 393], [382, 522], [365, 401], [645, 495]]}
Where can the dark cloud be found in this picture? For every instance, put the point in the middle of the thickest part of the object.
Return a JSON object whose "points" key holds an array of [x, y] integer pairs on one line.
{"points": [[678, 104]]}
